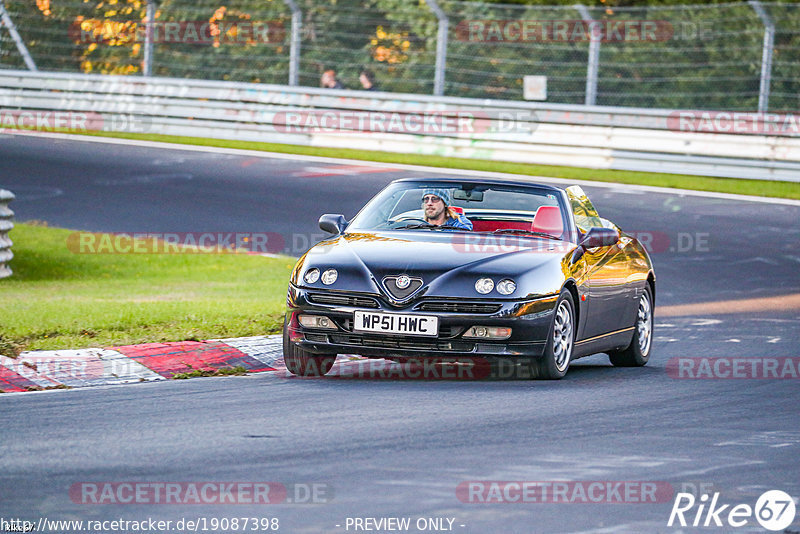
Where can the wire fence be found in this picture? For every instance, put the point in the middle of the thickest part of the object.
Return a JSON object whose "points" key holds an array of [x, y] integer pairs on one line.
{"points": [[735, 56]]}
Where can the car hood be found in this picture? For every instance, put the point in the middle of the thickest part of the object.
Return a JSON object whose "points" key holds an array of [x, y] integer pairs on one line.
{"points": [[448, 263]]}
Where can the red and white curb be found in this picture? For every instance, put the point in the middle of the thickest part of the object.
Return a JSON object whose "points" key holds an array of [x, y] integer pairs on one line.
{"points": [[53, 369], [35, 370]]}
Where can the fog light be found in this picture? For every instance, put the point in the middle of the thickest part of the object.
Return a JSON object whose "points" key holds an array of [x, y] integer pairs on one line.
{"points": [[329, 276], [484, 285], [311, 276], [316, 321], [488, 332]]}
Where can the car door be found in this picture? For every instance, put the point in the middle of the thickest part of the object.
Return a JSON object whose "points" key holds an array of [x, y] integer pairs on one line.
{"points": [[605, 285]]}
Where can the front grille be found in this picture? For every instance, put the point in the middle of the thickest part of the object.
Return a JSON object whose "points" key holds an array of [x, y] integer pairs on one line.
{"points": [[400, 343], [390, 285], [459, 307], [319, 338], [343, 300]]}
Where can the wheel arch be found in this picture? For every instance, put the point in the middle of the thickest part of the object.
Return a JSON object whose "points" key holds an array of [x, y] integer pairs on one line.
{"points": [[572, 287]]}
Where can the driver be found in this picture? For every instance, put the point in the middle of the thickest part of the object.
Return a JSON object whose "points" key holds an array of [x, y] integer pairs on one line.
{"points": [[437, 210]]}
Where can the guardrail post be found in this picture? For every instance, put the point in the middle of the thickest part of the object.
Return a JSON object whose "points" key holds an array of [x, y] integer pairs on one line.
{"points": [[593, 65], [766, 55], [294, 47], [441, 47], [5, 20], [5, 225], [149, 20]]}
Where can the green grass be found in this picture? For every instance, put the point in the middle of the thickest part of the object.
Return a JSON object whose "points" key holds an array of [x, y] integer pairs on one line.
{"points": [[198, 373], [58, 299], [764, 188]]}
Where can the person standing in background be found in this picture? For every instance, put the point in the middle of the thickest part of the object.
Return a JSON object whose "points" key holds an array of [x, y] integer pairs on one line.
{"points": [[329, 81], [367, 79]]}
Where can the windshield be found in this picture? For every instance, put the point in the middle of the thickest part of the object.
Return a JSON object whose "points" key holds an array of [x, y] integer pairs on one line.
{"points": [[490, 209]]}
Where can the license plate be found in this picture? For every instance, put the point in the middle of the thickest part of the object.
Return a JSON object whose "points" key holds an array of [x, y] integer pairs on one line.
{"points": [[395, 323]]}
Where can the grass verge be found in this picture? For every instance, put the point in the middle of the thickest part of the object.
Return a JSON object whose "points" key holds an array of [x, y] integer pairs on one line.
{"points": [[58, 299], [198, 373], [765, 188]]}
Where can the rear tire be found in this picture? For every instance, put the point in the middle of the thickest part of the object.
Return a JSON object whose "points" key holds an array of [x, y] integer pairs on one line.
{"points": [[303, 363], [638, 352], [554, 362]]}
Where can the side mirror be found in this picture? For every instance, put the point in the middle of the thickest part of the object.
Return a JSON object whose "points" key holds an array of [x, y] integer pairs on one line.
{"points": [[599, 237], [333, 224]]}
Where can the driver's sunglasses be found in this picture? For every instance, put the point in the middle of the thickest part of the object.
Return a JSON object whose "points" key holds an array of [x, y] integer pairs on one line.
{"points": [[430, 198]]}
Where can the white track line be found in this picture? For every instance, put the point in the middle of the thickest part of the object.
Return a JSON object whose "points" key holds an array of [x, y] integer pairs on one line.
{"points": [[416, 168]]}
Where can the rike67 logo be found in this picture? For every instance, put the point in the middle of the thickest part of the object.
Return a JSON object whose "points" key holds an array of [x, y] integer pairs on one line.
{"points": [[774, 510]]}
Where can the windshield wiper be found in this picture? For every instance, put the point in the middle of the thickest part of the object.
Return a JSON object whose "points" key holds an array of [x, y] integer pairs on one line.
{"points": [[426, 226], [417, 225], [526, 232]]}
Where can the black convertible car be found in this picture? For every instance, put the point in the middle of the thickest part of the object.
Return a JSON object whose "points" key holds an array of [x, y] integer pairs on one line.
{"points": [[539, 278]]}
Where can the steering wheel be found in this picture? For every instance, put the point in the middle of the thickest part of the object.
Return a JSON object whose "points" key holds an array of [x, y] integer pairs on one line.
{"points": [[406, 221]]}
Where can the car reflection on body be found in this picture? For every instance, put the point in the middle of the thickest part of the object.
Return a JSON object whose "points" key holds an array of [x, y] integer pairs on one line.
{"points": [[541, 279]]}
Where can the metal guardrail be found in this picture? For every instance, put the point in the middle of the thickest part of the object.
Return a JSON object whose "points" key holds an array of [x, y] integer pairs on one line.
{"points": [[553, 134], [6, 225], [654, 54]]}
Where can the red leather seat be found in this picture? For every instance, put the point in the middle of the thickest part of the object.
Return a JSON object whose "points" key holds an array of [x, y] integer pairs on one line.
{"points": [[480, 225], [548, 220]]}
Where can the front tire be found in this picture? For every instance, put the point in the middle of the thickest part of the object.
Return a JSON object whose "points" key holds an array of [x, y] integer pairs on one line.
{"points": [[554, 362], [638, 352], [303, 363]]}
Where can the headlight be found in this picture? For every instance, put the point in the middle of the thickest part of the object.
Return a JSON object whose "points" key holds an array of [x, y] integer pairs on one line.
{"points": [[506, 287], [311, 276], [329, 276], [484, 285]]}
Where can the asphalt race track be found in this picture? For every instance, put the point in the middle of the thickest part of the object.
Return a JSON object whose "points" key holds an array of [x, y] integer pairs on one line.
{"points": [[401, 448]]}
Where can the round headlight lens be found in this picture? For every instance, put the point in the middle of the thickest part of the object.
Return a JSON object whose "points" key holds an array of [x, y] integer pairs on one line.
{"points": [[484, 285], [311, 276], [329, 276], [506, 287]]}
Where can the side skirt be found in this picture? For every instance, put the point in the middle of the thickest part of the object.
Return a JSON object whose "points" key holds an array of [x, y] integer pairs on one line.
{"points": [[619, 339]]}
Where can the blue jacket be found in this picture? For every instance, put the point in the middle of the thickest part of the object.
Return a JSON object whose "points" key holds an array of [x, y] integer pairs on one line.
{"points": [[459, 222]]}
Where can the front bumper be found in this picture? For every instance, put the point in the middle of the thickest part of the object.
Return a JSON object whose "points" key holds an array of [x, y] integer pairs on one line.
{"points": [[530, 321]]}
